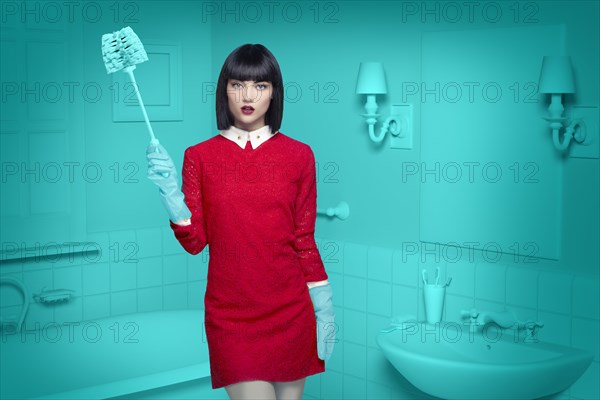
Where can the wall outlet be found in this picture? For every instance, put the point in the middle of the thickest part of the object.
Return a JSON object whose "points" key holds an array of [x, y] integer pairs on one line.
{"points": [[401, 131], [591, 118]]}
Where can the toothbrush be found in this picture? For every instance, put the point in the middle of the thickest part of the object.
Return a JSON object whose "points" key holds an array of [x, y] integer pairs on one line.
{"points": [[424, 275], [400, 323], [392, 328], [437, 275], [448, 282], [122, 50]]}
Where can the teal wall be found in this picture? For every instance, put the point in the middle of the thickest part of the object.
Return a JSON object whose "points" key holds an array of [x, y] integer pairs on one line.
{"points": [[371, 276]]}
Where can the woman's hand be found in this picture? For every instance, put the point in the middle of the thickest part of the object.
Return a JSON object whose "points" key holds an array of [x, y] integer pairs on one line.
{"points": [[161, 169], [162, 172], [321, 297]]}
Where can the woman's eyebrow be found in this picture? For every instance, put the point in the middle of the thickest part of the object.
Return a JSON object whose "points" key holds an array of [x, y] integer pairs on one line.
{"points": [[237, 80]]}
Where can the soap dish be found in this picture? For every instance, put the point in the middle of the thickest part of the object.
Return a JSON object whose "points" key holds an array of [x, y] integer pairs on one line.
{"points": [[53, 295]]}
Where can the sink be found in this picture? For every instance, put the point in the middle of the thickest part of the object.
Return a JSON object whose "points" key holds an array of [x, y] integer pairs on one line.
{"points": [[449, 361]]}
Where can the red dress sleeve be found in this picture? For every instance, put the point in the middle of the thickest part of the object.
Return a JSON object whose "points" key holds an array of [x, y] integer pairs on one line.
{"points": [[191, 237], [304, 221]]}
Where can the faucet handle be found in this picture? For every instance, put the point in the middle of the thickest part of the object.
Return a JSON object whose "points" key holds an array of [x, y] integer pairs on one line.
{"points": [[532, 329], [534, 325], [472, 313], [531, 324]]}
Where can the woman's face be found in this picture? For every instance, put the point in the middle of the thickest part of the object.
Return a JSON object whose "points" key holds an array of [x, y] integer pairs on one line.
{"points": [[249, 102]]}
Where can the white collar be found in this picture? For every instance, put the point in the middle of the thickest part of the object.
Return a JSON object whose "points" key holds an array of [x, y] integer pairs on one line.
{"points": [[240, 136]]}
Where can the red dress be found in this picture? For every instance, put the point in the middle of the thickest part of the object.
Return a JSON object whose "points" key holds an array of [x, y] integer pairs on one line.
{"points": [[256, 211]]}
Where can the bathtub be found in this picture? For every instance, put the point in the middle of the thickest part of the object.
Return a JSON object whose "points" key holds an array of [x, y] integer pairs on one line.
{"points": [[115, 357]]}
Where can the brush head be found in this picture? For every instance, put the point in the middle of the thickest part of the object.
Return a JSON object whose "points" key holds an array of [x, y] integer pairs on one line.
{"points": [[122, 49]]}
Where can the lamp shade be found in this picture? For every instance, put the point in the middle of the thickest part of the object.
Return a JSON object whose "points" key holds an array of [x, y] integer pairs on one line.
{"points": [[371, 79], [556, 75]]}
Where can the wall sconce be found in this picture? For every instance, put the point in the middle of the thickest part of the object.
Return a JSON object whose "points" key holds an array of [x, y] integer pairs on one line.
{"points": [[371, 81], [556, 78]]}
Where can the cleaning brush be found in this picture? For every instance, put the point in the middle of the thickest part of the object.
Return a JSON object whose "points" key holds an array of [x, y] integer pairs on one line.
{"points": [[122, 50]]}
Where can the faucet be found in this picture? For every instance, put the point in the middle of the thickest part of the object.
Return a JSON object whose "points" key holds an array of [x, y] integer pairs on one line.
{"points": [[7, 280], [504, 319]]}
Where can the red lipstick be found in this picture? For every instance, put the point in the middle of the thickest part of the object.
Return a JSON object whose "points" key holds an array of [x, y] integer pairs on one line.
{"points": [[247, 110]]}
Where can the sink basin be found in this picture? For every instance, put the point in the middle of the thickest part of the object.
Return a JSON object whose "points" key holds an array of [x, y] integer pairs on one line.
{"points": [[446, 360]]}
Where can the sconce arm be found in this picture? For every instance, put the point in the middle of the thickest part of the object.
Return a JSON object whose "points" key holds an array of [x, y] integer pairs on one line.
{"points": [[562, 146], [569, 134], [382, 131], [371, 122]]}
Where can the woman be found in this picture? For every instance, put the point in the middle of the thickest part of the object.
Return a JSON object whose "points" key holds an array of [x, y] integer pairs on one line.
{"points": [[250, 194]]}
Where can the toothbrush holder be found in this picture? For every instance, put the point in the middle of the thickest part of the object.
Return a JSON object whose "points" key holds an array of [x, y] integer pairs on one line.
{"points": [[434, 302]]}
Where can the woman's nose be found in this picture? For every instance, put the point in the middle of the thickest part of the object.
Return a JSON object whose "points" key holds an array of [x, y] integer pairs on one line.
{"points": [[249, 94]]}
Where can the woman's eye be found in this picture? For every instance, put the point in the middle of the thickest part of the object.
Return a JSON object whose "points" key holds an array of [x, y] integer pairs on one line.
{"points": [[260, 86]]}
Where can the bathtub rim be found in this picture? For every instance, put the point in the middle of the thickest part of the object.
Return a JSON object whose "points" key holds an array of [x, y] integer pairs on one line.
{"points": [[133, 385]]}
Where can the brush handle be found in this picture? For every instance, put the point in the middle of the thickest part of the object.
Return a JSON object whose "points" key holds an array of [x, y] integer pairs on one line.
{"points": [[129, 71], [153, 139]]}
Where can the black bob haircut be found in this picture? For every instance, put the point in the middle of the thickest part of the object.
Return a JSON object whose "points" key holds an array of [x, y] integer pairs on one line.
{"points": [[250, 62]]}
